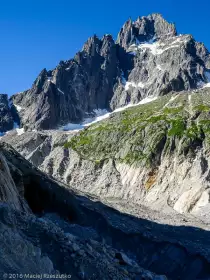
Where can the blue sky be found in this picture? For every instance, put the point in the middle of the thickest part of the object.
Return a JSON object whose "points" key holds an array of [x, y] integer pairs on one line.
{"points": [[37, 34]]}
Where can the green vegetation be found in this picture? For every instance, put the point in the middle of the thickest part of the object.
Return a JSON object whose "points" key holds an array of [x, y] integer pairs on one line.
{"points": [[173, 110], [177, 127], [142, 133], [202, 108]]}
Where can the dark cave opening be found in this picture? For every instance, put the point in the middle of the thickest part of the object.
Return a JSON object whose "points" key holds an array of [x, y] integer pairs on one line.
{"points": [[42, 198]]}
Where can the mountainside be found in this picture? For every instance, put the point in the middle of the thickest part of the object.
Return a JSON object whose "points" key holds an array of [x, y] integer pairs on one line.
{"points": [[147, 59], [154, 154], [105, 161], [57, 241], [47, 229]]}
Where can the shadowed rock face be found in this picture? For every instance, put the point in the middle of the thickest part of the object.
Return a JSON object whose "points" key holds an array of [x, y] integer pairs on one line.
{"points": [[9, 192], [75, 235], [74, 88], [6, 120], [148, 59]]}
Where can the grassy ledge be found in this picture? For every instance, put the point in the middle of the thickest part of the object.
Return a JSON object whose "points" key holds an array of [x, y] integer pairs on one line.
{"points": [[141, 134]]}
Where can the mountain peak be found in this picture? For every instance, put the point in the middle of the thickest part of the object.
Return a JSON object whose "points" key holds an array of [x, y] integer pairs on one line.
{"points": [[91, 44], [144, 29], [38, 83], [149, 60]]}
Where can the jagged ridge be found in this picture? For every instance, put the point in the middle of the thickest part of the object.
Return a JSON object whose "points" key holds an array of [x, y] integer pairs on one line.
{"points": [[148, 59]]}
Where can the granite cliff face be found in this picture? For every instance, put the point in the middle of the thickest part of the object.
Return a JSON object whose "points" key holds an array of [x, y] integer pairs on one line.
{"points": [[147, 59]]}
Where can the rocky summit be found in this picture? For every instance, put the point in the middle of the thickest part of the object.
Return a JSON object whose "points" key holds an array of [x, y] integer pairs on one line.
{"points": [[148, 58], [105, 161]]}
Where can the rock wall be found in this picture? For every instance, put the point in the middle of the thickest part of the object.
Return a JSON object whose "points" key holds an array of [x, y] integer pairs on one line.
{"points": [[98, 242]]}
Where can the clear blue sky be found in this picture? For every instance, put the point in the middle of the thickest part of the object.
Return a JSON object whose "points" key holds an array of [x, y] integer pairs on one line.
{"points": [[37, 34]]}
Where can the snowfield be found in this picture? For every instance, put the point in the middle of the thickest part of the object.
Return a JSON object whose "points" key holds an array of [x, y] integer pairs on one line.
{"points": [[157, 48]]}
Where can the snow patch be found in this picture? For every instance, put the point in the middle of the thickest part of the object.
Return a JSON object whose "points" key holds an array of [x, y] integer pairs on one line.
{"points": [[16, 129], [141, 85], [102, 114], [143, 101], [129, 84], [18, 107], [151, 41], [133, 49], [132, 84], [156, 48], [50, 80], [133, 45], [206, 85], [20, 131], [72, 126]]}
